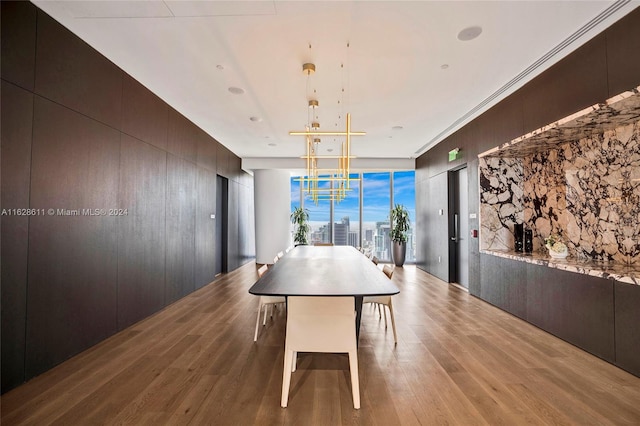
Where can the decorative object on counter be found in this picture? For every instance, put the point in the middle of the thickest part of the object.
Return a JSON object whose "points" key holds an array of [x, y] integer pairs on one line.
{"points": [[401, 225], [518, 229], [557, 249], [300, 217], [528, 241]]}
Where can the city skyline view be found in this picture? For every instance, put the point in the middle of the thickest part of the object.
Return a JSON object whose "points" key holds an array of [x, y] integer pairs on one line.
{"points": [[377, 191]]}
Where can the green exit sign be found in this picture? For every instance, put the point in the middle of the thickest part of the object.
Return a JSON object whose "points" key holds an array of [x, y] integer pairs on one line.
{"points": [[454, 154]]}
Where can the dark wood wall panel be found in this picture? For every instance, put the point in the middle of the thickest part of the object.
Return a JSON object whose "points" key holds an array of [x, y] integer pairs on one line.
{"points": [[18, 34], [474, 243], [17, 118], [233, 218], [72, 258], [71, 73], [181, 228], [222, 161], [207, 151], [144, 115], [437, 233], [205, 244], [235, 168], [141, 234], [182, 136], [623, 45], [627, 321], [504, 284], [502, 123], [561, 90], [91, 137]]}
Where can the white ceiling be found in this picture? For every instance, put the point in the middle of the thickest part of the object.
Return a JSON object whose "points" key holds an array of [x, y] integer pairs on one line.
{"points": [[191, 52]]}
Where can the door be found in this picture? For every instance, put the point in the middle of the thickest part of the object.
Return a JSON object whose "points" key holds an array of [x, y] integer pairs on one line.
{"points": [[459, 227], [222, 227]]}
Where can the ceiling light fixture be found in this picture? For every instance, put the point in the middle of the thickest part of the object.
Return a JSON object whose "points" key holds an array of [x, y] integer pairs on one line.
{"points": [[308, 68], [338, 179], [469, 33], [236, 90]]}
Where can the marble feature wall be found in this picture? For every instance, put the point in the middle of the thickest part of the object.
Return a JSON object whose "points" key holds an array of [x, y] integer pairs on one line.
{"points": [[501, 197], [588, 191]]}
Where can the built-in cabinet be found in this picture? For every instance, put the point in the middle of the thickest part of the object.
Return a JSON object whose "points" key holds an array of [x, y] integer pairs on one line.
{"points": [[596, 314]]}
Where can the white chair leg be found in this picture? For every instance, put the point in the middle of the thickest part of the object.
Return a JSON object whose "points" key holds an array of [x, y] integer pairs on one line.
{"points": [[384, 312], [294, 362], [393, 321], [255, 336], [264, 320], [355, 383], [286, 378]]}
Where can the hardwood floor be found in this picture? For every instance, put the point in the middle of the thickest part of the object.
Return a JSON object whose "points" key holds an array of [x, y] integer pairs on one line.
{"points": [[458, 361]]}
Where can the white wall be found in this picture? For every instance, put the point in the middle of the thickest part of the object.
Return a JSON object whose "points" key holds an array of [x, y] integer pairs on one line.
{"points": [[272, 196]]}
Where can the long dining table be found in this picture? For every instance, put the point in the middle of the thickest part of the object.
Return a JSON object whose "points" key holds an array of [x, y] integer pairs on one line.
{"points": [[325, 271]]}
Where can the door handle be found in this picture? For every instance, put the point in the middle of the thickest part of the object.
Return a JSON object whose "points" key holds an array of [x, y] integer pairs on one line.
{"points": [[455, 229]]}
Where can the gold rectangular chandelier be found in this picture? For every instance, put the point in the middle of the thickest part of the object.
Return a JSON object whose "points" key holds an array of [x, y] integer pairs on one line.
{"points": [[339, 177]]}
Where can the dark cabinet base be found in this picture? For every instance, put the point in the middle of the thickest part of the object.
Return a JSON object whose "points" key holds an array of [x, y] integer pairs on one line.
{"points": [[595, 314]]}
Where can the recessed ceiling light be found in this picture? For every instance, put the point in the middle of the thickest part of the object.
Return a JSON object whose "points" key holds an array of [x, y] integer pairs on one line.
{"points": [[255, 119], [220, 67], [330, 150], [397, 128], [236, 90], [469, 33], [444, 66], [271, 144]]}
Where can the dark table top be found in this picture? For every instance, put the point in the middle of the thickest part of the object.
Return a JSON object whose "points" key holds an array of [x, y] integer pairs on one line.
{"points": [[324, 271]]}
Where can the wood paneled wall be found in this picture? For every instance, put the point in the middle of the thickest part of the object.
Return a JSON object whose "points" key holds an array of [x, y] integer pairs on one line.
{"points": [[603, 67], [79, 133]]}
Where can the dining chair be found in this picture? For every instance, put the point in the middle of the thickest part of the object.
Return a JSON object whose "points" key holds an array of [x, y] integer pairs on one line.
{"points": [[322, 244], [383, 301], [265, 302], [320, 324], [375, 260]]}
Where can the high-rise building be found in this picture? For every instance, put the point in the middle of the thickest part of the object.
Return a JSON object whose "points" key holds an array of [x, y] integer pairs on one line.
{"points": [[340, 234]]}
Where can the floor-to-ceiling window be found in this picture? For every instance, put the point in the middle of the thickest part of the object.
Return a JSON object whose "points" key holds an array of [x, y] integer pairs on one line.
{"points": [[346, 213], [361, 219], [376, 204], [404, 192]]}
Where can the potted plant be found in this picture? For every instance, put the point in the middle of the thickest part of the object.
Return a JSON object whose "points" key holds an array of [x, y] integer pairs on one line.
{"points": [[300, 217], [557, 248], [401, 226]]}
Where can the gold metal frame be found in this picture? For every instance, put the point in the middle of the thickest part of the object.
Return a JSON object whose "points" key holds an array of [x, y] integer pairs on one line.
{"points": [[340, 175]]}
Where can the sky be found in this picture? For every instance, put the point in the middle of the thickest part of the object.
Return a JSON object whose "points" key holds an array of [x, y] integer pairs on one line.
{"points": [[376, 198]]}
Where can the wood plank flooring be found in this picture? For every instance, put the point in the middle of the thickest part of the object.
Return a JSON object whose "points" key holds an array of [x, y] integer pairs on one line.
{"points": [[458, 361]]}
